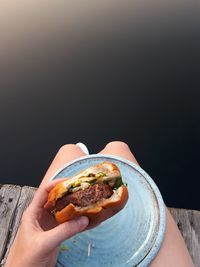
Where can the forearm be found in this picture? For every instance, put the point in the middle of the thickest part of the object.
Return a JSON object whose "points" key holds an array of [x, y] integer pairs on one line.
{"points": [[173, 251]]}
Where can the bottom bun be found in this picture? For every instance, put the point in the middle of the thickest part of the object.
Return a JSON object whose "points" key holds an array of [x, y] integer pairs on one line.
{"points": [[98, 212]]}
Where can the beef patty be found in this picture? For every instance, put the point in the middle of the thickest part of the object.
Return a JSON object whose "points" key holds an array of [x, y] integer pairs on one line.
{"points": [[86, 197]]}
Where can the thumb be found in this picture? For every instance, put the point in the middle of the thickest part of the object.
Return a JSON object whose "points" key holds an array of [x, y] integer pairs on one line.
{"points": [[64, 231]]}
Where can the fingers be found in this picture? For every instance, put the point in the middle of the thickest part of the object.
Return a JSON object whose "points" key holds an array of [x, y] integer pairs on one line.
{"points": [[65, 154], [64, 231], [42, 192], [118, 148]]}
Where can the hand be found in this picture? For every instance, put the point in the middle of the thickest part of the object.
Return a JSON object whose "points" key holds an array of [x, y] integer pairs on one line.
{"points": [[39, 236]]}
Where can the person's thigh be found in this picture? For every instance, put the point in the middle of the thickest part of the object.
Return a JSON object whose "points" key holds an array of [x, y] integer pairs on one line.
{"points": [[173, 251], [65, 154], [118, 148]]}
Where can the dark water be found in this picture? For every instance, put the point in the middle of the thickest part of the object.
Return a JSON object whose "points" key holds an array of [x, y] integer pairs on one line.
{"points": [[97, 72]]}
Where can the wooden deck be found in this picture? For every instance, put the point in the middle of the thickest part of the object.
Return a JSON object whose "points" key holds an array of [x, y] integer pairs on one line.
{"points": [[14, 199]]}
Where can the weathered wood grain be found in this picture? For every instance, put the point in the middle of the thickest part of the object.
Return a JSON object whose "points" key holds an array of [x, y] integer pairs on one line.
{"points": [[9, 196], [25, 198], [14, 200], [188, 222]]}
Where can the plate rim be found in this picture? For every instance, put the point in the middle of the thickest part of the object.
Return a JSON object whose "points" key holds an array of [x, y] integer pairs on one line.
{"points": [[162, 211]]}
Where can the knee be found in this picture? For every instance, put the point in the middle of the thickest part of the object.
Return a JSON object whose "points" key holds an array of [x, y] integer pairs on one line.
{"points": [[69, 148], [117, 145]]}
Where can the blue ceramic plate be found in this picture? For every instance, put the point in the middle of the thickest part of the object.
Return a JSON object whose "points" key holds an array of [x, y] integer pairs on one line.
{"points": [[130, 238]]}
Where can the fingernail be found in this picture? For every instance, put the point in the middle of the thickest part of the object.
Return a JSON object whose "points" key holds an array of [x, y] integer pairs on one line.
{"points": [[83, 147], [83, 221]]}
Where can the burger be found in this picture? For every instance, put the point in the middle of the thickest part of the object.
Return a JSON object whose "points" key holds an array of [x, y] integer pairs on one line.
{"points": [[97, 192]]}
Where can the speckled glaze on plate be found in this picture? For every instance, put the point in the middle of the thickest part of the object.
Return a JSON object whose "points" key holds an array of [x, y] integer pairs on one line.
{"points": [[130, 238]]}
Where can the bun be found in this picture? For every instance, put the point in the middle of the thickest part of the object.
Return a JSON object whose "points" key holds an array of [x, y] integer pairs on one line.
{"points": [[96, 212]]}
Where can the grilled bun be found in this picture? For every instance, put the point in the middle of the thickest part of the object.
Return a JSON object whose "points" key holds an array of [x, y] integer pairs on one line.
{"points": [[104, 178]]}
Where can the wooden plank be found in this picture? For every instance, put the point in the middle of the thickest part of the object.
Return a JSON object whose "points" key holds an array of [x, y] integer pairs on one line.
{"points": [[26, 196], [188, 222], [9, 196], [14, 200]]}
